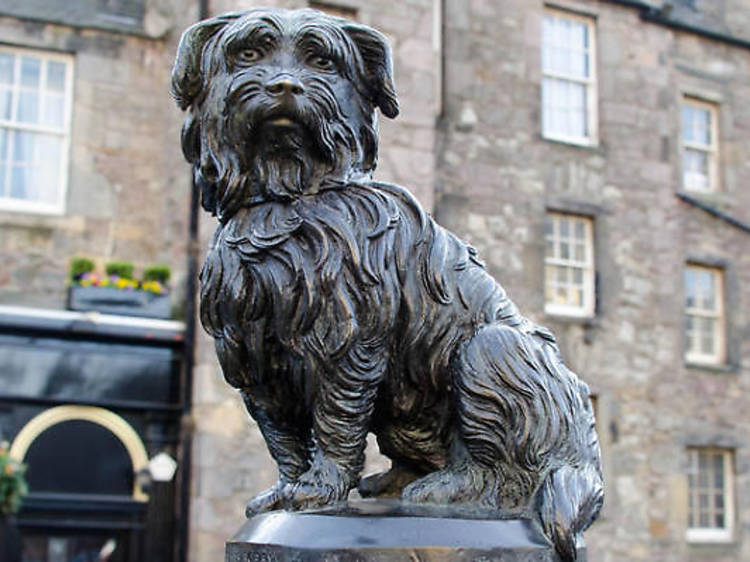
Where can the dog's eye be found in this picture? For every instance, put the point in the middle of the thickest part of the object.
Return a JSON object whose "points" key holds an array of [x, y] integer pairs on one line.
{"points": [[321, 62], [249, 55]]}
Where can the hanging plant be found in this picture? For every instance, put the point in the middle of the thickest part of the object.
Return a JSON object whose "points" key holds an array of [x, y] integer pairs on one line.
{"points": [[13, 486]]}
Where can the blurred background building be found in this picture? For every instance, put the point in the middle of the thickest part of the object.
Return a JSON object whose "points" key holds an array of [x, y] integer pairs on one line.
{"points": [[595, 152]]}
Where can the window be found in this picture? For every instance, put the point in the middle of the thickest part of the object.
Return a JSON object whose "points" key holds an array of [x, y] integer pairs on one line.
{"points": [[569, 265], [704, 323], [35, 102], [710, 489], [568, 78], [699, 145]]}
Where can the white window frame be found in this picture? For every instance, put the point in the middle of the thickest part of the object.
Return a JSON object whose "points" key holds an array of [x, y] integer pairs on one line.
{"points": [[696, 357], [713, 534], [38, 207], [712, 149], [592, 113], [588, 267]]}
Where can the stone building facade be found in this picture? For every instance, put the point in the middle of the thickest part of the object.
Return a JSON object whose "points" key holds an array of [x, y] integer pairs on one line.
{"points": [[499, 178], [475, 144]]}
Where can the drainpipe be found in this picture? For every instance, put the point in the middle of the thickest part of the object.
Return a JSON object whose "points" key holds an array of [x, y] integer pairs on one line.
{"points": [[186, 425]]}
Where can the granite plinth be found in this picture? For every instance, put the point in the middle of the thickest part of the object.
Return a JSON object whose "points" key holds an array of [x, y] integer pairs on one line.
{"points": [[390, 531]]}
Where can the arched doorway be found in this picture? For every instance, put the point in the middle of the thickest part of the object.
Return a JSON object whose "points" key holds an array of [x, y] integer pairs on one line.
{"points": [[89, 459], [60, 443]]}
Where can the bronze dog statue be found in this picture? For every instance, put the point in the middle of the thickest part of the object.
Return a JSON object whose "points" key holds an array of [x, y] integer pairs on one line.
{"points": [[340, 307]]}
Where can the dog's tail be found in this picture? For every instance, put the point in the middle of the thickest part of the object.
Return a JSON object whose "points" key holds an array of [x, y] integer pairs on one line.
{"points": [[569, 501]]}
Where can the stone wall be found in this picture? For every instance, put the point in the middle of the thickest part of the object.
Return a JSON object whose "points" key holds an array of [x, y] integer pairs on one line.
{"points": [[496, 180], [128, 194]]}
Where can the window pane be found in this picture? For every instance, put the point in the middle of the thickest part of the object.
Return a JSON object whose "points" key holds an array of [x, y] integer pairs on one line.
{"points": [[703, 500], [695, 169], [708, 290], [30, 72], [577, 297], [564, 227], [7, 62], [562, 296], [34, 90], [565, 46], [6, 103], [549, 249], [704, 519], [568, 244], [699, 145], [707, 492], [580, 230], [55, 76], [28, 107], [23, 147], [47, 168], [696, 161], [564, 250], [53, 110], [701, 125], [34, 174], [19, 182], [578, 276], [580, 252], [719, 469], [687, 123], [564, 108]]}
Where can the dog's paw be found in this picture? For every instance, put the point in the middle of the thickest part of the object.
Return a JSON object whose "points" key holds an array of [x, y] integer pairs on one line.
{"points": [[467, 483], [322, 485], [388, 484], [267, 500], [439, 487]]}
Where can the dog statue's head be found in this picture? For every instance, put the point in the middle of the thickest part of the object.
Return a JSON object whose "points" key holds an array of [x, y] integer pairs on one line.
{"points": [[280, 104]]}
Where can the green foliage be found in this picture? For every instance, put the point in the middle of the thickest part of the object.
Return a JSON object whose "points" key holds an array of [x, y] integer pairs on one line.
{"points": [[13, 486], [159, 273], [79, 266], [122, 269]]}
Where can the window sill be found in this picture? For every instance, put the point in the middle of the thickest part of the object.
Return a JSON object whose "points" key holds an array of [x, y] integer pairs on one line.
{"points": [[586, 144], [571, 318], [698, 537], [712, 367], [29, 208]]}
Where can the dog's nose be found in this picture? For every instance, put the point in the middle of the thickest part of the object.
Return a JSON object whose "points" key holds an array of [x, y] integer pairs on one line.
{"points": [[284, 85]]}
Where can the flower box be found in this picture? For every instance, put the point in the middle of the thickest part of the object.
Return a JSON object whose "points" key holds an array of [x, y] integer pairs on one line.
{"points": [[111, 300]]}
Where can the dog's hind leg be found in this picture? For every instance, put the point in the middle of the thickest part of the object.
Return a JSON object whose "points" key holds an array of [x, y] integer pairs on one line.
{"points": [[495, 462], [526, 428]]}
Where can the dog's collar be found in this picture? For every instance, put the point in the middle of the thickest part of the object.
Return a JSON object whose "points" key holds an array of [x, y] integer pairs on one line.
{"points": [[328, 185]]}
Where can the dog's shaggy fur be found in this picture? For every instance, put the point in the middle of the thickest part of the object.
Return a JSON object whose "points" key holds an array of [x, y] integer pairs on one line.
{"points": [[340, 307]]}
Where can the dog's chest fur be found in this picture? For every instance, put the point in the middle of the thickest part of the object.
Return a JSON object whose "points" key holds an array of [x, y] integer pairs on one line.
{"points": [[362, 265]]}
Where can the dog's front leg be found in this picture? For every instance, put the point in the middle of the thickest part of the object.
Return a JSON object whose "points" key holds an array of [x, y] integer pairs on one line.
{"points": [[288, 447], [341, 419]]}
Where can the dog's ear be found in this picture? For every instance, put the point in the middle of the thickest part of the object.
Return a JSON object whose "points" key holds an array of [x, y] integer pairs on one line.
{"points": [[187, 75], [376, 54]]}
